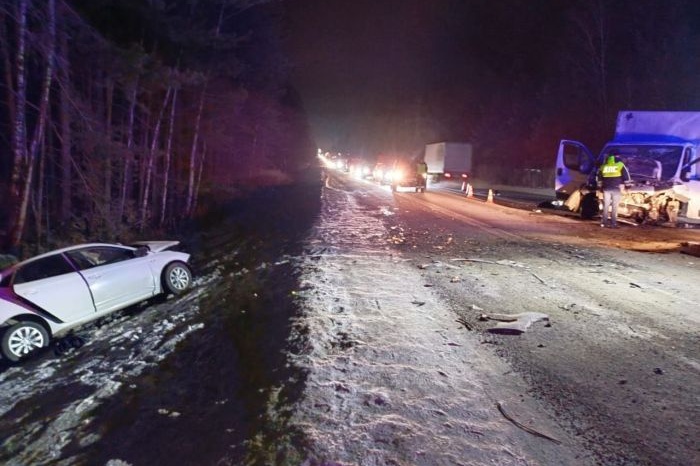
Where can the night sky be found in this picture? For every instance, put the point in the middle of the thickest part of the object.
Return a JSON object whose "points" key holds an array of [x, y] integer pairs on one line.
{"points": [[391, 75], [360, 65]]}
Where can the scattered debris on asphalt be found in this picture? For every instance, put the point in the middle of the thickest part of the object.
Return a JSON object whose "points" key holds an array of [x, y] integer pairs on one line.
{"points": [[502, 410], [692, 249], [514, 324], [466, 324]]}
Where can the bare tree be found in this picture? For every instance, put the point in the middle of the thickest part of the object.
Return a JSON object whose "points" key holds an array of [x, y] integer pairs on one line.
{"points": [[199, 176], [150, 159], [23, 171], [66, 163], [129, 158], [189, 207], [168, 156]]}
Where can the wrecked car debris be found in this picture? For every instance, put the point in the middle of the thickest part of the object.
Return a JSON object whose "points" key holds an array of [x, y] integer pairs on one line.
{"points": [[513, 324]]}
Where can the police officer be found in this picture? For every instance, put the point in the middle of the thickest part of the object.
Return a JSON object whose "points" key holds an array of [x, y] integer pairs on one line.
{"points": [[613, 175]]}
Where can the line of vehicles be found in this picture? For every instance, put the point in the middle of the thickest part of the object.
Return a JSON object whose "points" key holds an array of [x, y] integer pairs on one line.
{"points": [[661, 150], [439, 161]]}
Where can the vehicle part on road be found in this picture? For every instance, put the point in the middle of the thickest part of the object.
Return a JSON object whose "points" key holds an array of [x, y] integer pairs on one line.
{"points": [[22, 339], [514, 324], [690, 248], [502, 410]]}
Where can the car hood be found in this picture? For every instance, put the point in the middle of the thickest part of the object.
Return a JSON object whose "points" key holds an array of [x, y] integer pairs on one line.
{"points": [[156, 246]]}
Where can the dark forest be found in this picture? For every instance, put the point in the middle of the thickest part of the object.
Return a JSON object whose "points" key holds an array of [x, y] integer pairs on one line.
{"points": [[123, 117]]}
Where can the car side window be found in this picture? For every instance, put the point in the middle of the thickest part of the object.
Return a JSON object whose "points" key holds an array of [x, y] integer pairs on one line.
{"points": [[88, 258], [46, 267], [575, 158]]}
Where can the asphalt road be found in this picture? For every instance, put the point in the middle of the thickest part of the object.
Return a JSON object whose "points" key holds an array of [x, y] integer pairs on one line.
{"points": [[619, 356]]}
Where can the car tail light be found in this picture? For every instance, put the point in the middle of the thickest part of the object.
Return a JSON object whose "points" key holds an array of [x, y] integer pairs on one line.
{"points": [[448, 175]]}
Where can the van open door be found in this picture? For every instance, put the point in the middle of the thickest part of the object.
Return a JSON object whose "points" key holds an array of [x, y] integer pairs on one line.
{"points": [[574, 165]]}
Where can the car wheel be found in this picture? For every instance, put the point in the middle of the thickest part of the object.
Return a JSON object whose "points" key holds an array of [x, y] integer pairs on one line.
{"points": [[177, 277], [589, 206], [23, 338]]}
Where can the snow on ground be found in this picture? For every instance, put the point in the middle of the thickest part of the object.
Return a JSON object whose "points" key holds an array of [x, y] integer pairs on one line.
{"points": [[392, 378], [120, 348]]}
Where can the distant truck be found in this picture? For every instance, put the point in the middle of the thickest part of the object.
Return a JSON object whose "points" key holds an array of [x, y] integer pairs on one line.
{"points": [[448, 160], [661, 152]]}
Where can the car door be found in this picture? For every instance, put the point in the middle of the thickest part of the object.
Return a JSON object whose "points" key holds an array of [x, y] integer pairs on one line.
{"points": [[574, 165], [53, 285], [116, 276]]}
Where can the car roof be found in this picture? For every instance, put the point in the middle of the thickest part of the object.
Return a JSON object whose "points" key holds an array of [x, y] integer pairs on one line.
{"points": [[66, 249]]}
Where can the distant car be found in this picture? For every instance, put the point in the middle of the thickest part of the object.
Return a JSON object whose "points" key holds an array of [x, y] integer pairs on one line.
{"points": [[45, 297], [381, 173], [359, 168], [405, 175]]}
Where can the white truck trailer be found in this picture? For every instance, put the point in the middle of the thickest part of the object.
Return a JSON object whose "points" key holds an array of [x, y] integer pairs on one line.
{"points": [[448, 160], [661, 152]]}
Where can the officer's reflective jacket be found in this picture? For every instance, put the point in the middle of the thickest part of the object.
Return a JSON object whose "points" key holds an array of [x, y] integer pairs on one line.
{"points": [[613, 174]]}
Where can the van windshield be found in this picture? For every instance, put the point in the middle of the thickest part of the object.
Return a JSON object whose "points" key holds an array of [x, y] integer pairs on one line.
{"points": [[648, 162]]}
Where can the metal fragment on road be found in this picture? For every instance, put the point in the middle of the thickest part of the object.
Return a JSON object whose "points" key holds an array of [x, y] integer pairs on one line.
{"points": [[690, 248], [502, 410], [514, 324]]}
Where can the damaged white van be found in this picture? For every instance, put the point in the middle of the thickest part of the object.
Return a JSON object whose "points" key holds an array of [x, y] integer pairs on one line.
{"points": [[660, 150]]}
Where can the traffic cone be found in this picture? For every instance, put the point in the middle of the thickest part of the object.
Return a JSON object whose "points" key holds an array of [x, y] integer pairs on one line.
{"points": [[489, 198], [470, 190]]}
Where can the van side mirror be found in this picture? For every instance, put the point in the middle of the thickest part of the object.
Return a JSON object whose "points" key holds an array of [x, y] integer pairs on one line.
{"points": [[685, 174]]}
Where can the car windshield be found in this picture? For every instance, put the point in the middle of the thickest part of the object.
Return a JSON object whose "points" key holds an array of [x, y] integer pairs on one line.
{"points": [[647, 162]]}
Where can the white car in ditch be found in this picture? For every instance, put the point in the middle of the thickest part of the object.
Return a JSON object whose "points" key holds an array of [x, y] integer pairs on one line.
{"points": [[49, 295]]}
